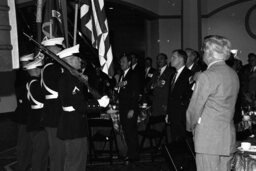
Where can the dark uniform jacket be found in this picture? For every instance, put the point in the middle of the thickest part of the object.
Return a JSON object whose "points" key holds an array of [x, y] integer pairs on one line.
{"points": [[73, 120], [23, 106], [51, 74], [36, 98]]}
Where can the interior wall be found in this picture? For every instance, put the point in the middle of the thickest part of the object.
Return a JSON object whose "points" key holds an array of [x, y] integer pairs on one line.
{"points": [[127, 36], [152, 37], [169, 35], [231, 24]]}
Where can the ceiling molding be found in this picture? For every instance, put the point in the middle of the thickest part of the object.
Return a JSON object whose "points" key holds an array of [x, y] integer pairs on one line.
{"points": [[247, 22], [224, 7]]}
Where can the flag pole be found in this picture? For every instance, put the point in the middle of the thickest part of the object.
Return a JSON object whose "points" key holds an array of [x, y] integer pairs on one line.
{"points": [[75, 22], [65, 20], [51, 21], [39, 19]]}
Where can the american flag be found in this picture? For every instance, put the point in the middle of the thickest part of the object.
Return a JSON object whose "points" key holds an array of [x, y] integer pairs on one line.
{"points": [[94, 26]]}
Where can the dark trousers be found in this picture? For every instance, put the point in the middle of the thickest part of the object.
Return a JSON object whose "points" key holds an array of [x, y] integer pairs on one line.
{"points": [[40, 150], [131, 135], [56, 150], [24, 148], [76, 154]]}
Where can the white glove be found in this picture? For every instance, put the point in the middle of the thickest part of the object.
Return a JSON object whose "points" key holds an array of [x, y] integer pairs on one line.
{"points": [[104, 101]]}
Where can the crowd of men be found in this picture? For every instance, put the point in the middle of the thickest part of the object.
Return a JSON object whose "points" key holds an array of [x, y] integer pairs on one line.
{"points": [[197, 92]]}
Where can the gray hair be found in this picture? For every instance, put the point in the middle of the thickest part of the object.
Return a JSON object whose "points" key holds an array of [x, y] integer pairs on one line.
{"points": [[217, 47]]}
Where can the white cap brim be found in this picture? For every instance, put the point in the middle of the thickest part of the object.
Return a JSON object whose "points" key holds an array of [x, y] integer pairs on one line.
{"points": [[34, 64], [69, 51], [26, 58], [53, 41]]}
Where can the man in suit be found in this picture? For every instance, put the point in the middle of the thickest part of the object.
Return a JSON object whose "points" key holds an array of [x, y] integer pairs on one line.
{"points": [[149, 70], [179, 95], [137, 68], [159, 85], [129, 90], [211, 109], [248, 81], [193, 63]]}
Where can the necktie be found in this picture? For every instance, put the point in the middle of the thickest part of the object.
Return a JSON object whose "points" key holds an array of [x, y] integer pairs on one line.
{"points": [[146, 72], [121, 79], [159, 72], [173, 81], [253, 69]]}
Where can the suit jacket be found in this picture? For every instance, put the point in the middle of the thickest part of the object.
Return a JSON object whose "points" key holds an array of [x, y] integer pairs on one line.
{"points": [[160, 93], [213, 101], [139, 70], [248, 84], [129, 94], [149, 75], [178, 101], [195, 68]]}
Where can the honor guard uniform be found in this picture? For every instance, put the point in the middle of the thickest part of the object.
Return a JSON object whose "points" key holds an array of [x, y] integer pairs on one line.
{"points": [[39, 159], [23, 141], [73, 122], [50, 76]]}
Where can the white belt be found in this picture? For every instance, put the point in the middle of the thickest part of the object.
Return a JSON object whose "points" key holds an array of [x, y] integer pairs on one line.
{"points": [[37, 106], [68, 109], [51, 96]]}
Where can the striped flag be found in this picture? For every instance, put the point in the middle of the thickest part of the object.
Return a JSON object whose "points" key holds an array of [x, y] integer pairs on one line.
{"points": [[94, 26]]}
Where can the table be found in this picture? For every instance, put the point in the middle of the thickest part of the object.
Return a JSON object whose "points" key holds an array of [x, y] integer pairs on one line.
{"points": [[113, 114], [145, 112], [244, 161]]}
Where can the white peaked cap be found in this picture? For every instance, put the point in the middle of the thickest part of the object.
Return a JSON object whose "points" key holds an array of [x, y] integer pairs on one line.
{"points": [[234, 51], [34, 64], [53, 41], [69, 51], [27, 57]]}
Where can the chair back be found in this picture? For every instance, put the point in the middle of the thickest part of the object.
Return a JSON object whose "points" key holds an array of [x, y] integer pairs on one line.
{"points": [[156, 119], [97, 122]]}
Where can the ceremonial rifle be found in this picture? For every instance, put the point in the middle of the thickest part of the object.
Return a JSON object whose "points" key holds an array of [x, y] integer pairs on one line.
{"points": [[80, 76]]}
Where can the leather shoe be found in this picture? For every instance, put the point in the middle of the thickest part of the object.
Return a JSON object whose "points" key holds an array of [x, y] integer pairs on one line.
{"points": [[126, 161]]}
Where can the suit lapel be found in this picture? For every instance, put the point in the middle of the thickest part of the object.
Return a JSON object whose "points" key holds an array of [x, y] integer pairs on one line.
{"points": [[180, 78]]}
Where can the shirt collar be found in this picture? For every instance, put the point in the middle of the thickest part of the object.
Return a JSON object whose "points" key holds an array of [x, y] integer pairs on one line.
{"points": [[162, 69], [191, 66], [180, 70], [125, 72], [214, 62], [133, 66]]}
